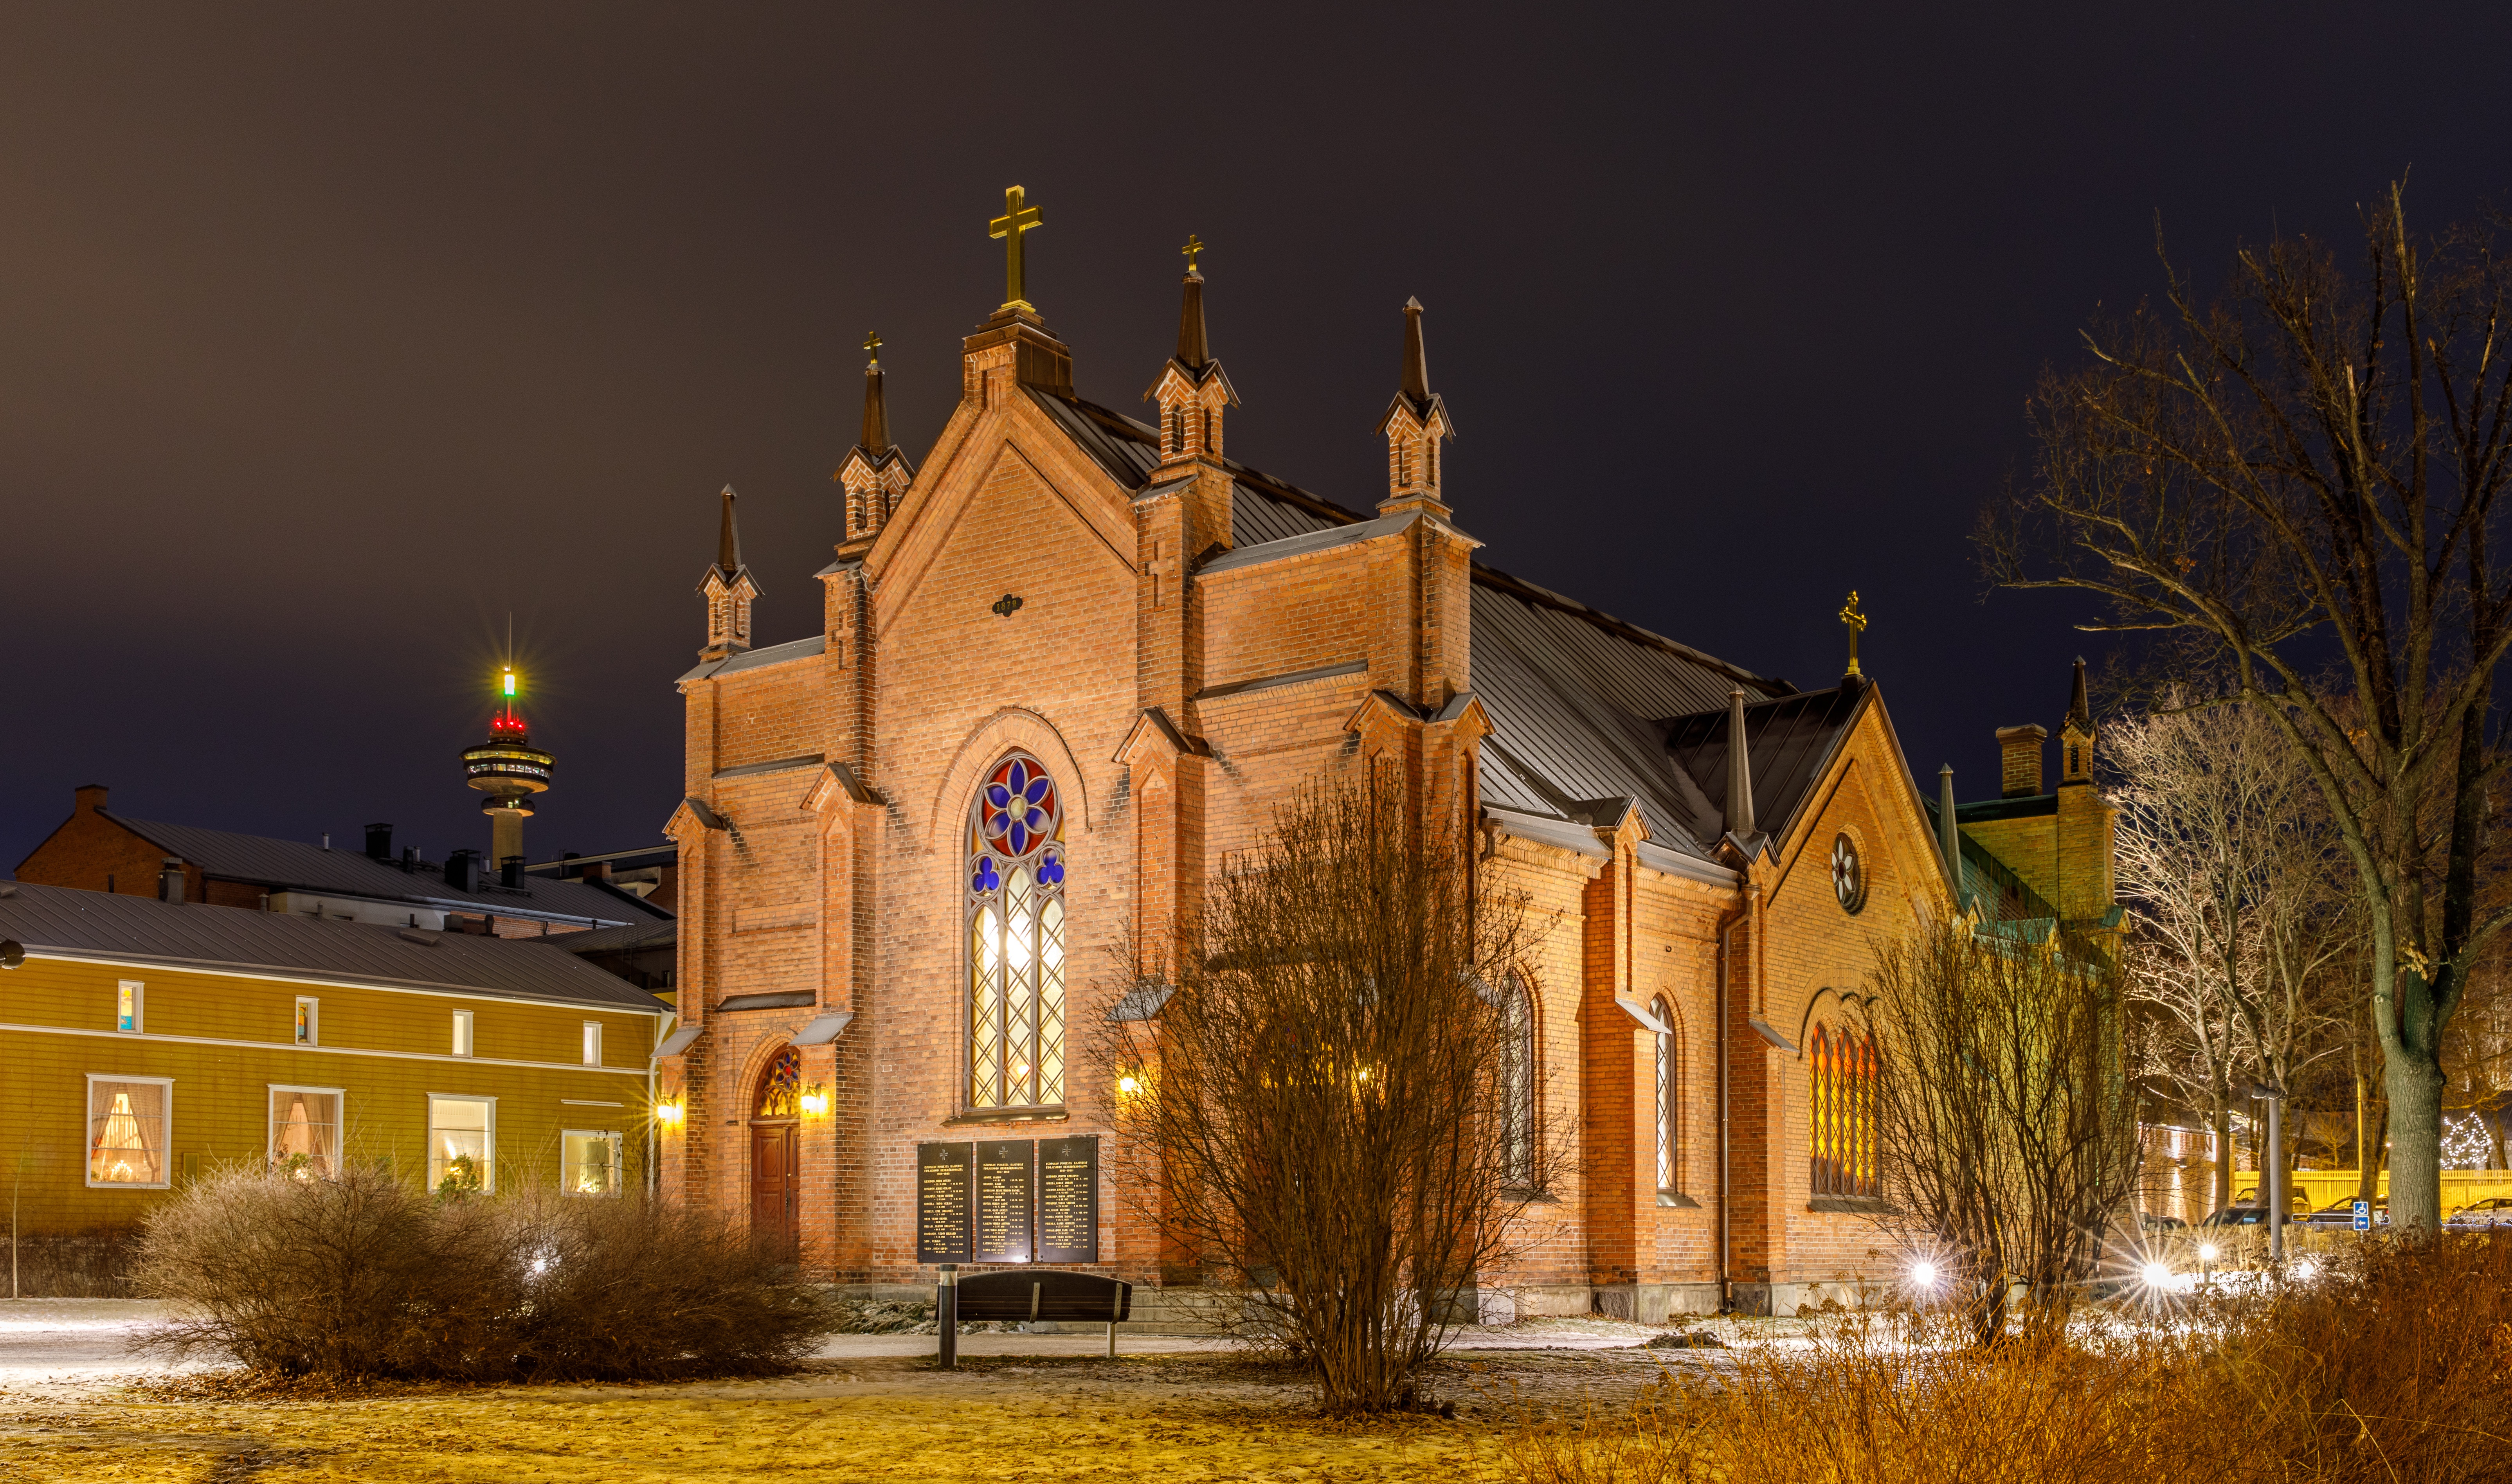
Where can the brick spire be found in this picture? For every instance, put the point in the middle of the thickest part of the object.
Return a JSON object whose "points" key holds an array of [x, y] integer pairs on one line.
{"points": [[727, 550], [876, 418], [876, 473], [2078, 711], [1195, 346], [729, 591], [1192, 391], [1415, 424]]}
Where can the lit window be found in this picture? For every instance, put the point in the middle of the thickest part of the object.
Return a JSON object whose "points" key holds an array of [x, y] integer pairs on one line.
{"points": [[592, 1043], [309, 1012], [1840, 1091], [127, 1001], [1668, 1161], [1014, 900], [589, 1162], [461, 1144], [461, 1032], [125, 1130], [305, 1131], [1517, 1084]]}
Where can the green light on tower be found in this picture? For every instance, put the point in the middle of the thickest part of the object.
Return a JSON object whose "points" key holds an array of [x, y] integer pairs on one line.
{"points": [[510, 682]]}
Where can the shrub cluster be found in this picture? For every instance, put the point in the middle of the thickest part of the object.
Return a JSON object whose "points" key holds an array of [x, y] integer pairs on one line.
{"points": [[365, 1275], [2394, 1366]]}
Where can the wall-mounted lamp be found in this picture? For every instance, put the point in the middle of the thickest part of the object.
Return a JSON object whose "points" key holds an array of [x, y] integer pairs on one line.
{"points": [[1129, 1083], [671, 1113], [816, 1100]]}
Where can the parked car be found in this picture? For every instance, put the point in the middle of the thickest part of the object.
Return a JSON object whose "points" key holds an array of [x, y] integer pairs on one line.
{"points": [[2480, 1216], [2341, 1213], [2237, 1216], [2152, 1223]]}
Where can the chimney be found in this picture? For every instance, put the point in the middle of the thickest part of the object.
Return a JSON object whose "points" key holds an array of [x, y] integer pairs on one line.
{"points": [[596, 871], [87, 796], [510, 873], [2018, 752], [379, 842], [1739, 769], [462, 870], [1948, 832], [408, 860], [169, 881]]}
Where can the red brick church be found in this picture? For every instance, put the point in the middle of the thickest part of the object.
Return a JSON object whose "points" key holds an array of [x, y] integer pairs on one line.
{"points": [[1067, 664]]}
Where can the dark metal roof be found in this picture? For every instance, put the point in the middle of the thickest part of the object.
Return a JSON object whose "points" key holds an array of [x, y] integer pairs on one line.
{"points": [[751, 659], [1791, 740], [288, 864], [1986, 878], [63, 921], [2025, 807], [624, 939]]}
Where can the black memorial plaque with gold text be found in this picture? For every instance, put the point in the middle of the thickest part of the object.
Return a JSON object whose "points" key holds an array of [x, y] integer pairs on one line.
{"points": [[1006, 1178], [942, 1188], [1068, 1199]]}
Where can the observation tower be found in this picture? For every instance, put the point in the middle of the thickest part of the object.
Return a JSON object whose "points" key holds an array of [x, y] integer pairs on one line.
{"points": [[509, 770]]}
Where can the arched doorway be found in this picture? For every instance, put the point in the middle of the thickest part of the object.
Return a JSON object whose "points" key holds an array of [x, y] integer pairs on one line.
{"points": [[777, 1153]]}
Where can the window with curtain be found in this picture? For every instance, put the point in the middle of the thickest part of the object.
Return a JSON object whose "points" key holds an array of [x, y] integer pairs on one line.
{"points": [[1840, 1091], [589, 1162], [1669, 1154], [1014, 900], [305, 1131], [461, 1144], [1517, 1084], [125, 1130]]}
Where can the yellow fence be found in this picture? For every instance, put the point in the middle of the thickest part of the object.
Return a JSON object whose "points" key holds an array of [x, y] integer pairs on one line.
{"points": [[2325, 1188]]}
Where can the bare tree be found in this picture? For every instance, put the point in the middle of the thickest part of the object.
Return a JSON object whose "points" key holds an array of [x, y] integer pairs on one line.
{"points": [[2004, 1123], [2230, 861], [1333, 1105], [2310, 469]]}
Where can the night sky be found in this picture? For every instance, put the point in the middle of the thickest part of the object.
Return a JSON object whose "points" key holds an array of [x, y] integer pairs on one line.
{"points": [[328, 338]]}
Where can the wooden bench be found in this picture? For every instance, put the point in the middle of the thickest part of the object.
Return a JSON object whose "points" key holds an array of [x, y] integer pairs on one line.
{"points": [[1027, 1296]]}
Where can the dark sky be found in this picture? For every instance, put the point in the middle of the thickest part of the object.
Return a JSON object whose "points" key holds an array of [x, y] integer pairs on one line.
{"points": [[331, 335]]}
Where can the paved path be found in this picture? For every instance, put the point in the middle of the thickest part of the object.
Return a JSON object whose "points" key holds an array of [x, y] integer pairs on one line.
{"points": [[63, 1338]]}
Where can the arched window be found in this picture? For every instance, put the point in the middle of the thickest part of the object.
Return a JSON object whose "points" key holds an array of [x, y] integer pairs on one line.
{"points": [[1840, 1091], [1669, 1163], [1015, 936], [1517, 1084], [780, 1087]]}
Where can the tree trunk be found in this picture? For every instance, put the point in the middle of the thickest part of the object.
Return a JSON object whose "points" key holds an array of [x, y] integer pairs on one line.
{"points": [[2416, 1084], [2223, 1131], [2367, 1177]]}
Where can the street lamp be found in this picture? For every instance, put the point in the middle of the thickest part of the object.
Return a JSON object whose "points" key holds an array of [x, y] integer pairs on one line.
{"points": [[2274, 1097]]}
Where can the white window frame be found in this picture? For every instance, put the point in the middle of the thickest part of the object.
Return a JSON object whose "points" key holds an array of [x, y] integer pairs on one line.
{"points": [[465, 1033], [138, 990], [592, 1043], [87, 1134], [307, 1027], [270, 1114], [488, 1137], [618, 1160]]}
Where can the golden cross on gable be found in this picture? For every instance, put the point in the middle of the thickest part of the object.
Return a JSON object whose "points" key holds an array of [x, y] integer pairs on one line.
{"points": [[872, 345], [1017, 219], [1193, 246], [1856, 623]]}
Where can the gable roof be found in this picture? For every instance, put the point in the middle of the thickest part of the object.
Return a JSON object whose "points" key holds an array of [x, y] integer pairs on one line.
{"points": [[67, 923], [288, 864], [1791, 742]]}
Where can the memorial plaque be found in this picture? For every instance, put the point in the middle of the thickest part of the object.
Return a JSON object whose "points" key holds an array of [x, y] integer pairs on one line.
{"points": [[942, 1189], [1006, 1177], [1068, 1199]]}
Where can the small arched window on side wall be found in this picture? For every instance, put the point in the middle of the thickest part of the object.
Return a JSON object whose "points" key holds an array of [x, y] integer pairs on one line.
{"points": [[1841, 1067], [1669, 1149], [1517, 1084]]}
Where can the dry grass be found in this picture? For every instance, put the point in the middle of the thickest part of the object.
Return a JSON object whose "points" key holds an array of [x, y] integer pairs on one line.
{"points": [[2394, 1367]]}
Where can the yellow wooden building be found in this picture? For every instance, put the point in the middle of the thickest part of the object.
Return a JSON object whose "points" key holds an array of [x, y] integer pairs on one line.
{"points": [[144, 1043]]}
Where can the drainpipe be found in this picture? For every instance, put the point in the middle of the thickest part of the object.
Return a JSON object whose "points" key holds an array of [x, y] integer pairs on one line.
{"points": [[1726, 969]]}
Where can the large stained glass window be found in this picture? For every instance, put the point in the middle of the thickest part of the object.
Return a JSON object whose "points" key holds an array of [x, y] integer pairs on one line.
{"points": [[1015, 935], [1840, 1090]]}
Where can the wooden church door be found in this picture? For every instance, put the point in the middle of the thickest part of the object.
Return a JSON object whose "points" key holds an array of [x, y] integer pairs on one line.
{"points": [[777, 1154]]}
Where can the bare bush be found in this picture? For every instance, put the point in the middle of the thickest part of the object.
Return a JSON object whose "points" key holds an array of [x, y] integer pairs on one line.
{"points": [[362, 1275], [1336, 1109]]}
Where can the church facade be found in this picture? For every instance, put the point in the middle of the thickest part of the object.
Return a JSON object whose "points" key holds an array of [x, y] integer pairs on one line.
{"points": [[1067, 664]]}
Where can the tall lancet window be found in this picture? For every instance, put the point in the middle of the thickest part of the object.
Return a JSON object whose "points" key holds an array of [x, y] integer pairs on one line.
{"points": [[1668, 1150], [1016, 917]]}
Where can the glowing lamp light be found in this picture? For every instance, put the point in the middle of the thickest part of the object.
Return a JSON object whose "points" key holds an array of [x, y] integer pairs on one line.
{"points": [[2306, 1270], [1129, 1083], [1924, 1275], [2208, 1253], [510, 684], [2157, 1275], [815, 1102], [670, 1113]]}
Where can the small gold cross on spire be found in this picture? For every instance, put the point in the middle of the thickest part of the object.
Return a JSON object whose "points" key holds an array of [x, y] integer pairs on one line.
{"points": [[872, 345], [1018, 218], [1194, 245], [1856, 623]]}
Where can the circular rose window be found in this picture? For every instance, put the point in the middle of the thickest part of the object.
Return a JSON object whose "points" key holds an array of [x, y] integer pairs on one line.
{"points": [[1848, 875]]}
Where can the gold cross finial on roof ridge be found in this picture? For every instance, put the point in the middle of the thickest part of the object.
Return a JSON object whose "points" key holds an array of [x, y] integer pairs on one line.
{"points": [[1193, 246], [872, 345], [1856, 623], [1019, 219]]}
